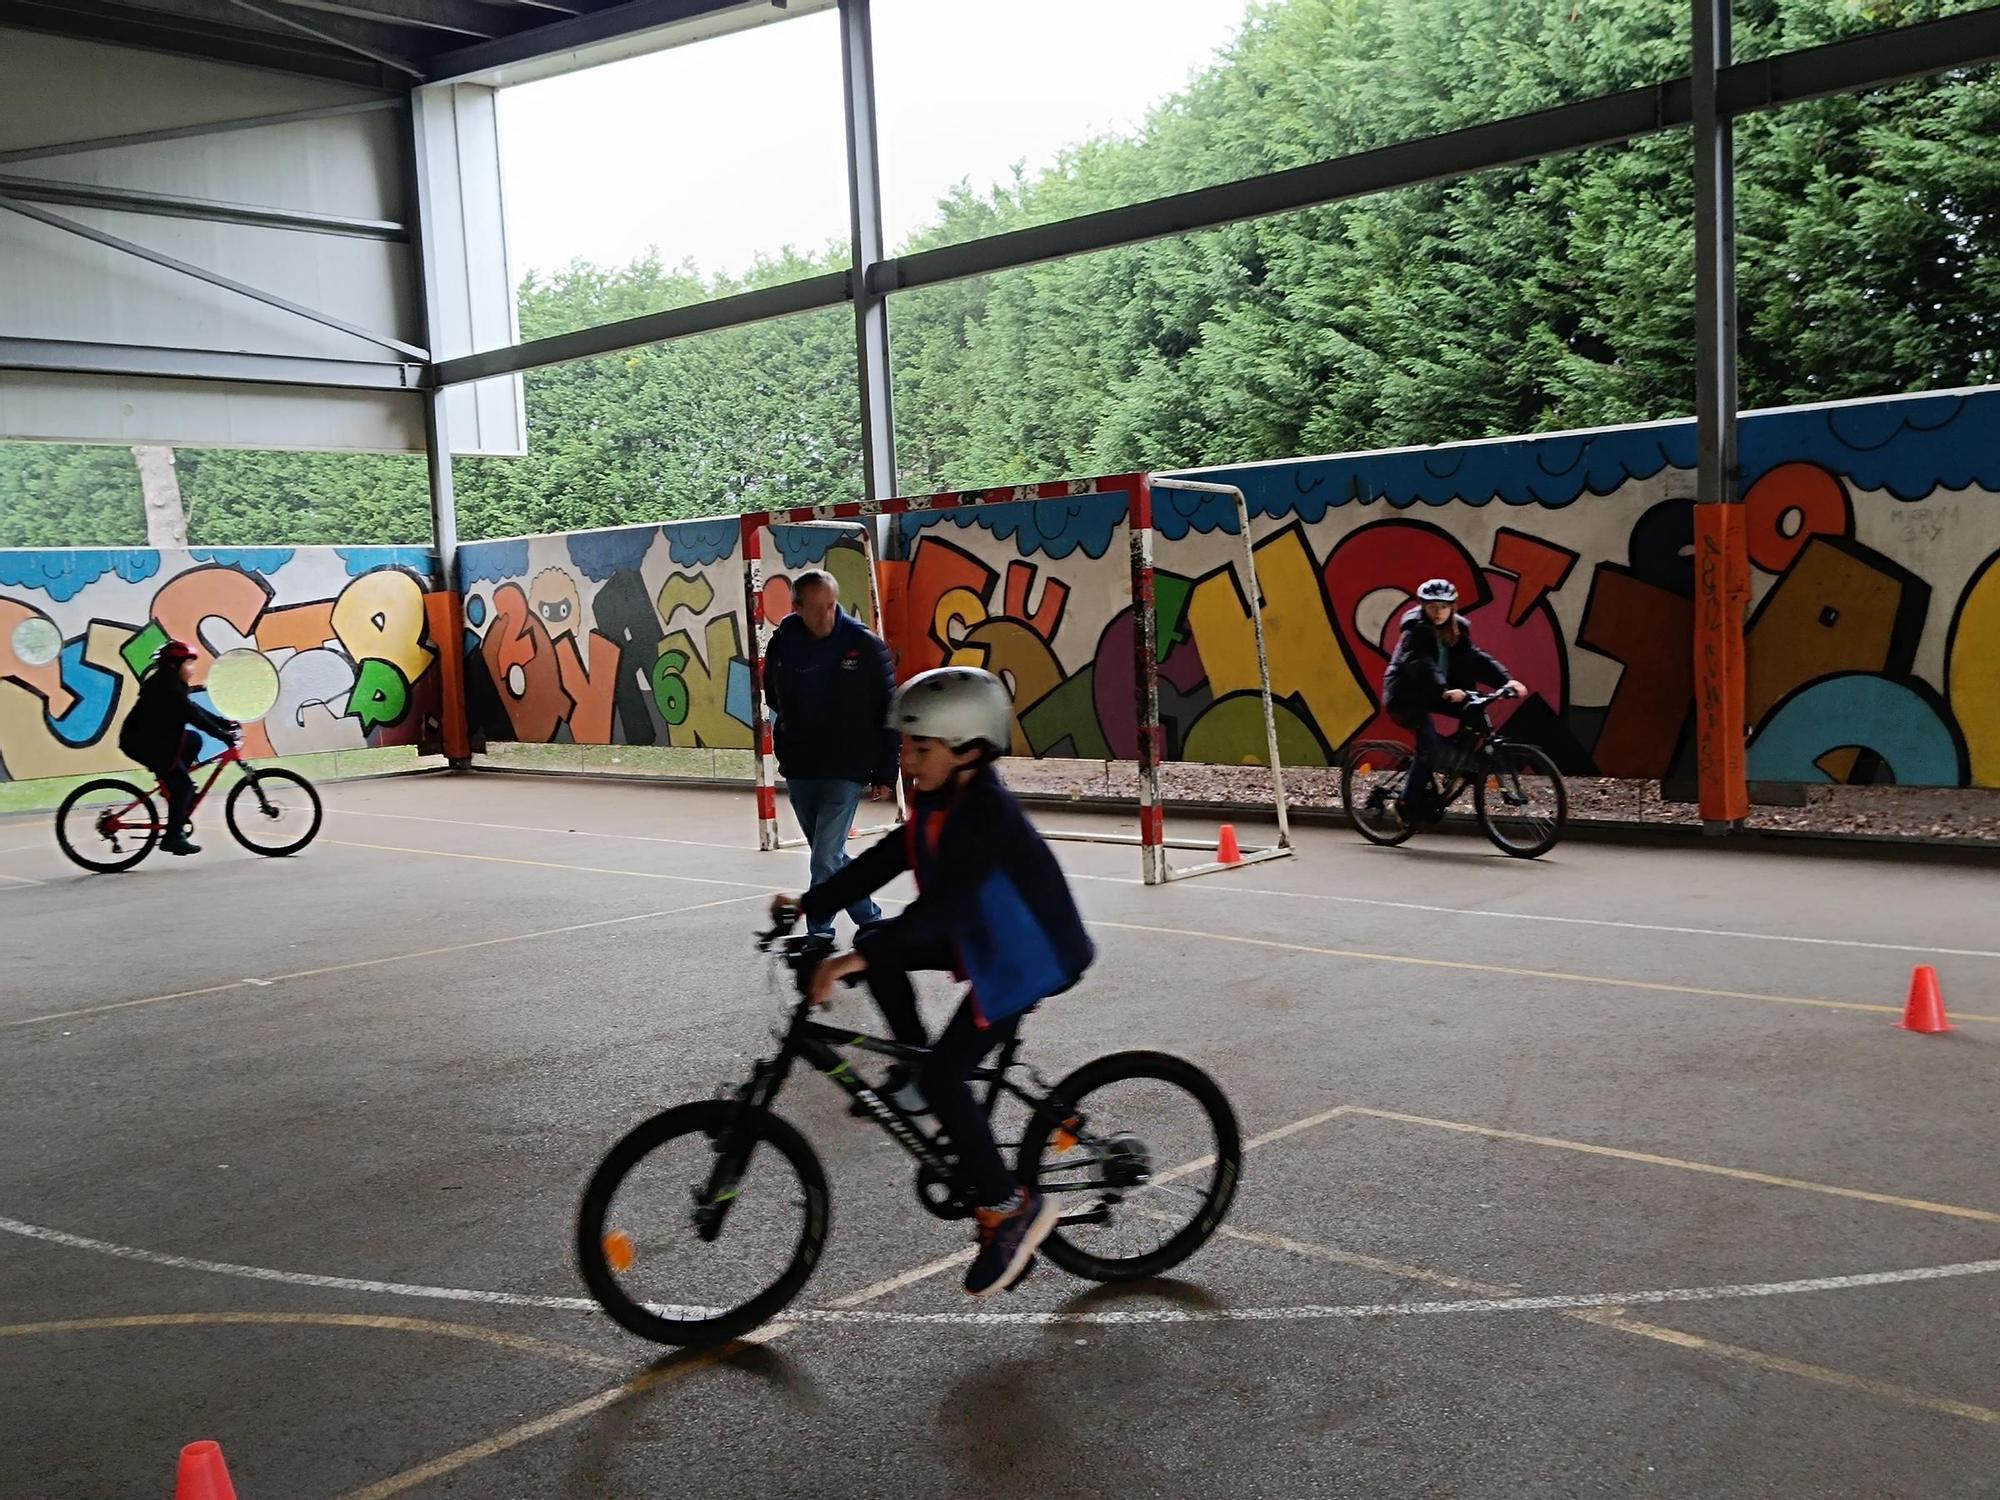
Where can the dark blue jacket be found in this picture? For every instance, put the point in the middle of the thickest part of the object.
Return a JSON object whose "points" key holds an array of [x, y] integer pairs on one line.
{"points": [[162, 716], [831, 699], [987, 885], [1424, 666]]}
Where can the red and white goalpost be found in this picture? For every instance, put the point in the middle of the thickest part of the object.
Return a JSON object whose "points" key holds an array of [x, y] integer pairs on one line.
{"points": [[1136, 491]]}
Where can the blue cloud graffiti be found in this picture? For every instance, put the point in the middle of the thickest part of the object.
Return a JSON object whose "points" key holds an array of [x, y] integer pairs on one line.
{"points": [[599, 554], [358, 560], [1055, 528], [63, 574], [696, 544], [803, 546], [492, 562]]}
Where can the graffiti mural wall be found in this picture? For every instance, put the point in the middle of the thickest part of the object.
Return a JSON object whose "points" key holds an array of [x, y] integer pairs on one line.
{"points": [[312, 648], [1874, 543], [633, 636]]}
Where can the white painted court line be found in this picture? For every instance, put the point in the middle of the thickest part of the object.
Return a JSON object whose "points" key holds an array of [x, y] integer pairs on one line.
{"points": [[15, 882], [1524, 916], [580, 833], [849, 1311], [369, 963], [1651, 1159], [550, 864]]}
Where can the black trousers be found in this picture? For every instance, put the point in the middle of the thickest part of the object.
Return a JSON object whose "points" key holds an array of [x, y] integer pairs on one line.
{"points": [[179, 787], [942, 1077]]}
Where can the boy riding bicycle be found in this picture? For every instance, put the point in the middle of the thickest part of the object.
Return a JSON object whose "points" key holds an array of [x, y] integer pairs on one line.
{"points": [[1434, 665], [159, 734], [992, 908]]}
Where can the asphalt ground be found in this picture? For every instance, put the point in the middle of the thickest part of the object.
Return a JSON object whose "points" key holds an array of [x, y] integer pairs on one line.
{"points": [[1606, 1174]]}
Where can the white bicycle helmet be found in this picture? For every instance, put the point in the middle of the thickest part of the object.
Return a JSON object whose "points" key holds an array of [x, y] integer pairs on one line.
{"points": [[963, 706], [1438, 591]]}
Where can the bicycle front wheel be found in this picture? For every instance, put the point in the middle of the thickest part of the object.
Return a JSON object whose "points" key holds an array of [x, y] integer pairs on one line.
{"points": [[1142, 1153], [640, 1241], [108, 825], [1371, 778], [273, 811], [1522, 801]]}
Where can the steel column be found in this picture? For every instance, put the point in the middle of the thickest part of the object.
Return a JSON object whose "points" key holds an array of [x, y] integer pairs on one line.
{"points": [[1719, 567], [864, 197]]}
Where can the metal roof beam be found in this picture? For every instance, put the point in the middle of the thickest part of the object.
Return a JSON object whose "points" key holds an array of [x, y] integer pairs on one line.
{"points": [[124, 25], [449, 19], [826, 290], [603, 24], [347, 35], [154, 362], [191, 132], [213, 278], [203, 210]]}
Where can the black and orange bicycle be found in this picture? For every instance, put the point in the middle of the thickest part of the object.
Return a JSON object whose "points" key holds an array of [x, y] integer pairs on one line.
{"points": [[109, 824]]}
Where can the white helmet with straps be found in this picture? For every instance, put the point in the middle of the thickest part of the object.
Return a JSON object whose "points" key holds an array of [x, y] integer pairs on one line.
{"points": [[1438, 591], [963, 706]]}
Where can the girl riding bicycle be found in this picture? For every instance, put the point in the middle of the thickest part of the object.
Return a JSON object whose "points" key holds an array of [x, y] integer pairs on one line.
{"points": [[159, 735], [1434, 667], [992, 908]]}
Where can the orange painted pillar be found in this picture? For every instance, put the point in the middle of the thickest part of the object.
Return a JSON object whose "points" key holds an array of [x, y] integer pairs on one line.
{"points": [[444, 611], [1722, 595]]}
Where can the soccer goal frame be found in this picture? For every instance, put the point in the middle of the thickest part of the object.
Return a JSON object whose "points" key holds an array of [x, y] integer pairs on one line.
{"points": [[1136, 490]]}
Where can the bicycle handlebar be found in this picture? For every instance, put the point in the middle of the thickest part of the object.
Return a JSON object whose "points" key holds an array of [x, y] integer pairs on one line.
{"points": [[1480, 700]]}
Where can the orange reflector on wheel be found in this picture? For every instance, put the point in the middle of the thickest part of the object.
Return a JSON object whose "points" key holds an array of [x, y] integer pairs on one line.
{"points": [[618, 1251], [1064, 1139], [1366, 768]]}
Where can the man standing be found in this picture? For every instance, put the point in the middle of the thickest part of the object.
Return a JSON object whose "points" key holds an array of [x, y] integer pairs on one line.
{"points": [[829, 680]]}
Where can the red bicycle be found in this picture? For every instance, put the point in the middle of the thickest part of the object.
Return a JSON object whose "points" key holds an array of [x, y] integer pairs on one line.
{"points": [[108, 824]]}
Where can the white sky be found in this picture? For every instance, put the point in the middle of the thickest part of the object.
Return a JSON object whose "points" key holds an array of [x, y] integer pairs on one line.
{"points": [[721, 149]]}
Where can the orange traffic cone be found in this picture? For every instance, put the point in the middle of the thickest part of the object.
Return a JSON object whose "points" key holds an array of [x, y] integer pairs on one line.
{"points": [[1925, 1011], [1225, 846], [203, 1474]]}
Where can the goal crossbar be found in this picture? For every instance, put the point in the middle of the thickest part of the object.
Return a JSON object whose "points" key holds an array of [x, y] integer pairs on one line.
{"points": [[1136, 490]]}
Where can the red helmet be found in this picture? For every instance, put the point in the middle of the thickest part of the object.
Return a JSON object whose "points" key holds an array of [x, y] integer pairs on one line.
{"points": [[174, 651]]}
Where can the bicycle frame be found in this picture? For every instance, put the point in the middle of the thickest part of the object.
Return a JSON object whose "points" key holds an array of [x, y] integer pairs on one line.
{"points": [[113, 821], [821, 1045]]}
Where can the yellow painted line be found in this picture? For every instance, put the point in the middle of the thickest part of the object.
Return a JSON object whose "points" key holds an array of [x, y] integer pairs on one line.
{"points": [[520, 1342], [1465, 965], [1740, 1174], [1780, 1364], [676, 1366], [590, 1405], [390, 958], [549, 864], [1619, 1321]]}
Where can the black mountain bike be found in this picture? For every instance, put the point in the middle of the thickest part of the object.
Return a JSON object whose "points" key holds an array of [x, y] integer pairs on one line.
{"points": [[1516, 789], [707, 1219]]}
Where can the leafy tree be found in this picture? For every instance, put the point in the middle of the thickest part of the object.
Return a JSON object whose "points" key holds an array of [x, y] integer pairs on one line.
{"points": [[1556, 294]]}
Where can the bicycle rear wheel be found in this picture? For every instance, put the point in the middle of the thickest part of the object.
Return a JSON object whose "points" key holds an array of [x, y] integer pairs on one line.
{"points": [[1522, 801], [642, 1253], [1371, 778], [1142, 1152], [273, 811], [108, 825]]}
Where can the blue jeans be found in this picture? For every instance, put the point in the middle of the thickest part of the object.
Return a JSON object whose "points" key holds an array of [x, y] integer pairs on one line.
{"points": [[1424, 759], [825, 806]]}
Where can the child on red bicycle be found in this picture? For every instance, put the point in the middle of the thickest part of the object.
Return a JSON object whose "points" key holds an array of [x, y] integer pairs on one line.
{"points": [[992, 908], [159, 734]]}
